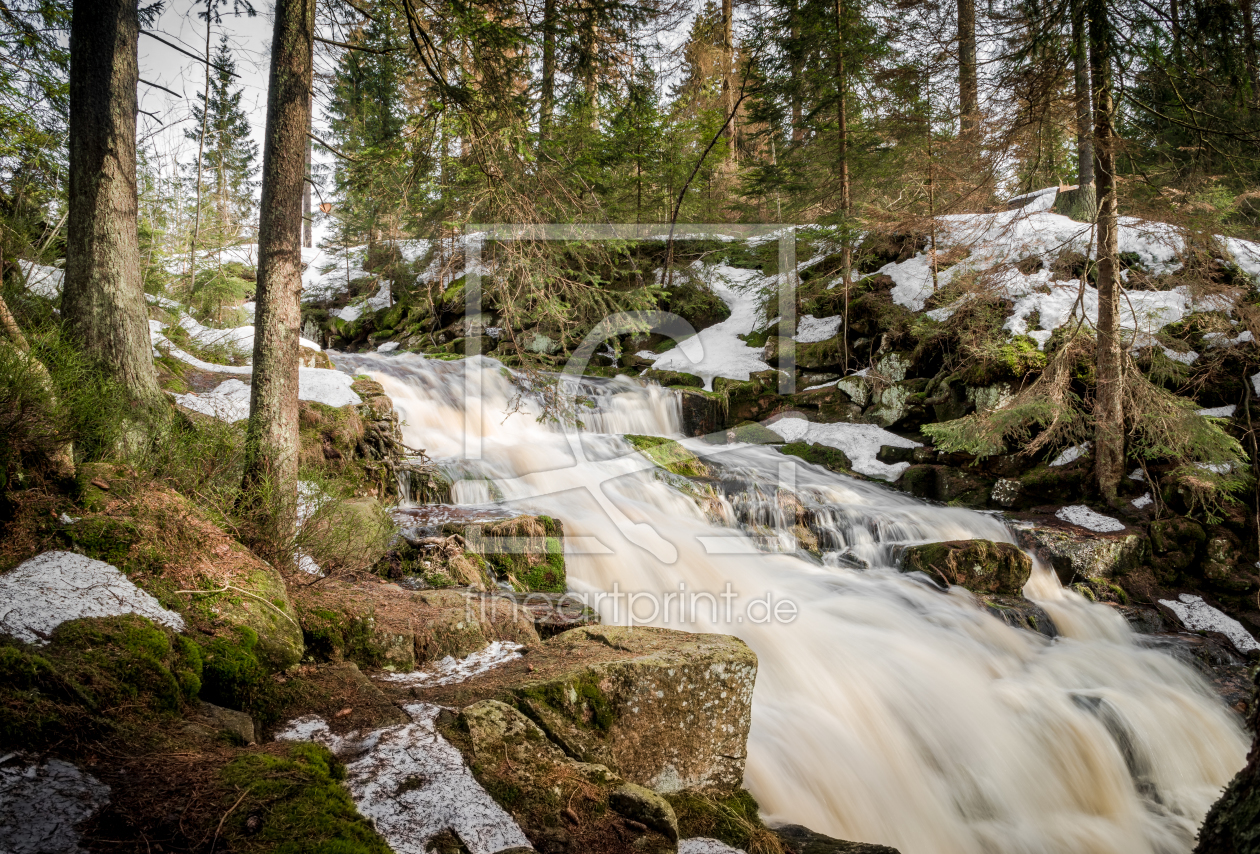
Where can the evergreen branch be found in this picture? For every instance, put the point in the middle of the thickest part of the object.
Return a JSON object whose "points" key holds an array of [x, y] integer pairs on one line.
{"points": [[159, 86], [374, 50], [189, 53], [335, 151]]}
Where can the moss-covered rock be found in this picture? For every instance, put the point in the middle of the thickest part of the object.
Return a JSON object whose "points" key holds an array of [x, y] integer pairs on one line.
{"points": [[669, 455], [1077, 554], [802, 840], [293, 802], [821, 455], [979, 565], [1178, 544], [733, 818], [525, 551], [673, 378], [664, 709], [753, 433]]}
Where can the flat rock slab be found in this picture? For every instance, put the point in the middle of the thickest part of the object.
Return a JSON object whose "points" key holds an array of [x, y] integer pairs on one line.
{"points": [[40, 804], [665, 709], [56, 587]]}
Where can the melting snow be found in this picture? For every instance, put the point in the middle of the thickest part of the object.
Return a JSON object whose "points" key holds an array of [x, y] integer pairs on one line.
{"points": [[1083, 517], [412, 784], [40, 804], [42, 281], [229, 401], [1071, 454], [1226, 411], [860, 442], [55, 587], [452, 669], [1217, 340], [718, 351], [1144, 501], [700, 845], [387, 347], [1199, 616], [1137, 474], [810, 329]]}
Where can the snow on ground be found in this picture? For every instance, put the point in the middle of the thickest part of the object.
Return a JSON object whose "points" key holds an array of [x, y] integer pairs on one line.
{"points": [[42, 281], [810, 329], [388, 347], [717, 351], [1144, 501], [412, 784], [451, 669], [860, 442], [229, 401], [1083, 517], [41, 802], [1198, 616], [240, 338], [1226, 411], [55, 587], [700, 845], [1071, 454]]}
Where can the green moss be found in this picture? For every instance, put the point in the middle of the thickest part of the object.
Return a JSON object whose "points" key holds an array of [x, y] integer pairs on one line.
{"points": [[754, 433], [669, 455], [303, 805], [673, 378], [821, 455], [339, 636], [581, 701], [235, 674], [94, 667]]}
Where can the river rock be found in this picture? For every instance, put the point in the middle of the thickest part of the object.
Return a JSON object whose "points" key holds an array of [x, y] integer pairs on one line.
{"points": [[1078, 554], [1231, 826], [802, 840], [665, 709], [647, 807], [979, 565]]}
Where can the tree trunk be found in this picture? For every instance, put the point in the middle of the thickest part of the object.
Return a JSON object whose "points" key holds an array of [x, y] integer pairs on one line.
{"points": [[103, 303], [271, 443], [201, 149], [308, 223], [1108, 414], [968, 82], [728, 71], [1082, 203], [846, 198], [1249, 33], [547, 98], [798, 132]]}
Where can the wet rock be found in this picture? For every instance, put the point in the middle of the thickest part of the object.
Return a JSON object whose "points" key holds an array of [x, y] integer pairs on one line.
{"points": [[41, 803], [892, 454], [669, 455], [1077, 554], [1176, 545], [665, 709], [553, 613], [647, 807], [820, 455], [1017, 612], [753, 433], [673, 378], [802, 840], [703, 413], [979, 565]]}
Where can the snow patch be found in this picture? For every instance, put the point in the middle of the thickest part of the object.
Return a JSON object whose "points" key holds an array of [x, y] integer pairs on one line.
{"points": [[860, 442], [42, 281], [700, 845], [811, 330], [451, 669], [55, 587], [1218, 340], [1198, 616], [1071, 454], [718, 351], [1226, 411], [229, 400], [40, 804], [412, 784], [1144, 501], [387, 347], [1083, 517]]}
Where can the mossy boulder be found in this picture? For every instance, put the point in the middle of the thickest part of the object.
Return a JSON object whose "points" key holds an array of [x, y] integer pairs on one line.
{"points": [[821, 455], [673, 378], [1178, 544], [96, 675], [1232, 825], [754, 434], [979, 565], [669, 455], [258, 602], [1077, 554], [525, 551], [664, 709]]}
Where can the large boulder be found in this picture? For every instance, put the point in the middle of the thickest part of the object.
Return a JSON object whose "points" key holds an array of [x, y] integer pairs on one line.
{"points": [[1232, 825], [1077, 554], [665, 709], [979, 565]]}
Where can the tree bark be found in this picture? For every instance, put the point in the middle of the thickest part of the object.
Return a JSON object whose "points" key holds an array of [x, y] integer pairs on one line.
{"points": [[1083, 97], [846, 197], [547, 98], [728, 71], [798, 132], [308, 224], [1108, 413], [103, 303], [1249, 33], [968, 81], [271, 442]]}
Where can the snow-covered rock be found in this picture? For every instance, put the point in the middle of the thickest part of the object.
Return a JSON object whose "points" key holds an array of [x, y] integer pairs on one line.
{"points": [[55, 587], [1199, 616], [810, 329], [860, 442], [1083, 517], [412, 784]]}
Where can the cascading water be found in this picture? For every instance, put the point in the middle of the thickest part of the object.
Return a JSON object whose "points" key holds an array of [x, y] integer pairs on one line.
{"points": [[885, 710]]}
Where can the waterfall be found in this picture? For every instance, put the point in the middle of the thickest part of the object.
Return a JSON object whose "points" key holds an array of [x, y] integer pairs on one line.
{"points": [[886, 709]]}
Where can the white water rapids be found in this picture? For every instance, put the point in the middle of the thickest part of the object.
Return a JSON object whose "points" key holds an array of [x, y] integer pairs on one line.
{"points": [[887, 710]]}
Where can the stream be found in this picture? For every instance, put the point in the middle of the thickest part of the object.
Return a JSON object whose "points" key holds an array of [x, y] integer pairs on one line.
{"points": [[886, 709]]}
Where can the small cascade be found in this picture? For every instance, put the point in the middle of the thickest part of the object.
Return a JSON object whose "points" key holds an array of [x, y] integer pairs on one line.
{"points": [[886, 709]]}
